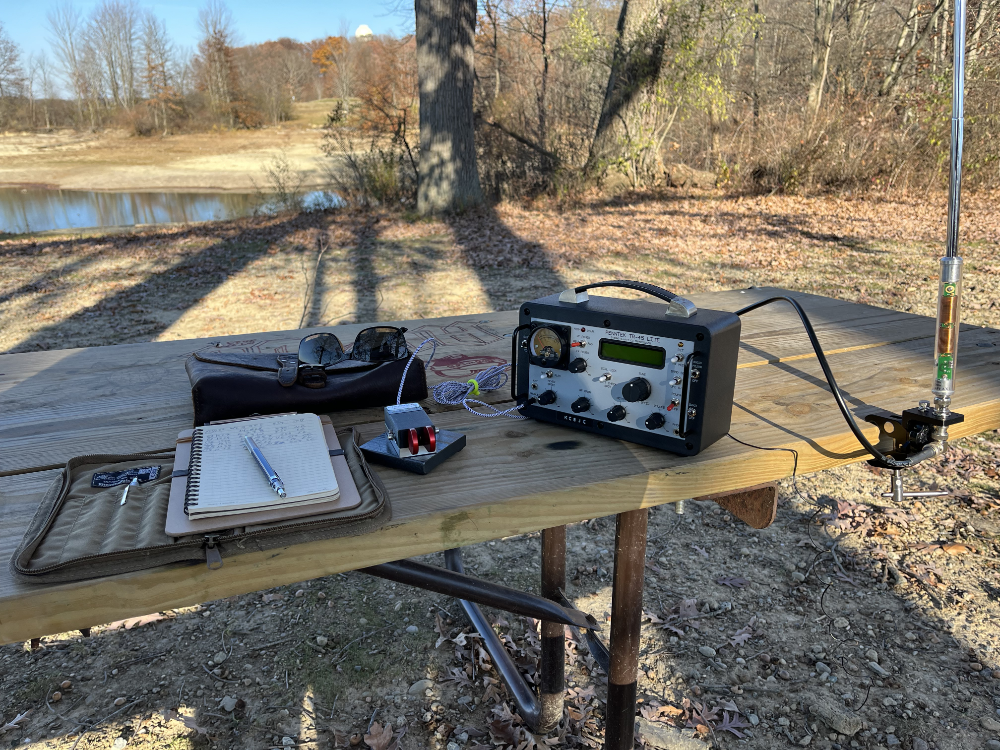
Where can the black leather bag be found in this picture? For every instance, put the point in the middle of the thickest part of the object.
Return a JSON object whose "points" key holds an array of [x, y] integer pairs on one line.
{"points": [[230, 385]]}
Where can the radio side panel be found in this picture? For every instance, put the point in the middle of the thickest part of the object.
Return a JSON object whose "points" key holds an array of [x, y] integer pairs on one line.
{"points": [[720, 381]]}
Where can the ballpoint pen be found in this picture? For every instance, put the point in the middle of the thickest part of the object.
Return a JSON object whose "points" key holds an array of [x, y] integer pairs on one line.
{"points": [[272, 477], [133, 483]]}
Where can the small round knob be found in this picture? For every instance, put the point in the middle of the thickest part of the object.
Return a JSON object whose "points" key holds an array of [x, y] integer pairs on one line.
{"points": [[578, 365], [581, 404], [655, 421], [549, 397], [637, 389], [616, 413]]}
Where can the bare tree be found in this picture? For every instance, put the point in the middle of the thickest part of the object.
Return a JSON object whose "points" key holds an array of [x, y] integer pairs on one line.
{"points": [[65, 30], [911, 36], [113, 32], [536, 25], [11, 72], [822, 41], [184, 73], [986, 21], [448, 178], [156, 70], [491, 13], [339, 57], [217, 70], [639, 42], [43, 84]]}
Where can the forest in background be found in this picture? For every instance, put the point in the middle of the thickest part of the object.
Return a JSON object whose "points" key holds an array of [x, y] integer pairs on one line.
{"points": [[759, 95]]}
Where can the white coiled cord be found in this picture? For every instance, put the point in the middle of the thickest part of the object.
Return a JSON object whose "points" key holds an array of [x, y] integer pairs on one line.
{"points": [[457, 393]]}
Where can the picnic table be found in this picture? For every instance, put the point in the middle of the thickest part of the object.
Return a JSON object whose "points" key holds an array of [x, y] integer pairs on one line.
{"points": [[512, 478]]}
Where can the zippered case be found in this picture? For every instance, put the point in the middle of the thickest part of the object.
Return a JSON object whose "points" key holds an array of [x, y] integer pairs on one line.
{"points": [[80, 531]]}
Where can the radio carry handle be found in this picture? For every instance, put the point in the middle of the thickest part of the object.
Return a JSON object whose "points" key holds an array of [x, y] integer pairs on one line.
{"points": [[515, 337], [676, 305]]}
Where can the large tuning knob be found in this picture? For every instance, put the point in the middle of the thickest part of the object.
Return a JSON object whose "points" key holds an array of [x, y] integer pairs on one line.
{"points": [[637, 389]]}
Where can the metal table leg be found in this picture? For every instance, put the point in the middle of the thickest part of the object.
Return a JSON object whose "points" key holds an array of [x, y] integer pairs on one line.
{"points": [[553, 663], [626, 622]]}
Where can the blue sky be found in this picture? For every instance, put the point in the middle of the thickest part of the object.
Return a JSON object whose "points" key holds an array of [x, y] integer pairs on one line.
{"points": [[255, 20]]}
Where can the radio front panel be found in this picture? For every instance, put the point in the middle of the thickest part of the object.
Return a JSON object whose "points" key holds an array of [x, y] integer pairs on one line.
{"points": [[633, 380], [626, 369]]}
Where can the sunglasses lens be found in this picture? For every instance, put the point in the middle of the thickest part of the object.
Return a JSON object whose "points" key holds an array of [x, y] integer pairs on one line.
{"points": [[380, 344], [320, 349]]}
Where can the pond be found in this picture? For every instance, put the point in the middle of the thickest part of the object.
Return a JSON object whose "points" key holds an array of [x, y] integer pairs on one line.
{"points": [[39, 210]]}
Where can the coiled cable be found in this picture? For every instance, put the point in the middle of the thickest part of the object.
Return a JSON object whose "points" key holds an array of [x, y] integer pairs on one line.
{"points": [[457, 393]]}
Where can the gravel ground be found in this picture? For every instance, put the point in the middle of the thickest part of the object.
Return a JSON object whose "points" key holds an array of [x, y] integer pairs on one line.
{"points": [[848, 623]]}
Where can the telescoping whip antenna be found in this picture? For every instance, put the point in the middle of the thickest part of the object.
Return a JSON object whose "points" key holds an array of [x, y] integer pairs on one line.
{"points": [[922, 433], [950, 286]]}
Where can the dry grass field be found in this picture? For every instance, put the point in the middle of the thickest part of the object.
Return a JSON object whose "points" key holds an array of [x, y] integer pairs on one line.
{"points": [[114, 160]]}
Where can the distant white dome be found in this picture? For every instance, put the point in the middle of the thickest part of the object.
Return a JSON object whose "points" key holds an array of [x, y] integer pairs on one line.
{"points": [[363, 32]]}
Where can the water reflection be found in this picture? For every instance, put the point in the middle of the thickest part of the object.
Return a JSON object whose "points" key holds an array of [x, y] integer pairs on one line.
{"points": [[38, 210]]}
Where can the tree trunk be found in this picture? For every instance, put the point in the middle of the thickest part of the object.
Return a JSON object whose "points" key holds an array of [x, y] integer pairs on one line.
{"points": [[899, 61], [755, 95], [635, 63], [543, 89], [448, 178], [985, 18], [822, 42]]}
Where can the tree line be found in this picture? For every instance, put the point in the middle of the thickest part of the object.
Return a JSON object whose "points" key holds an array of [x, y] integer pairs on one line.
{"points": [[759, 94], [117, 67]]}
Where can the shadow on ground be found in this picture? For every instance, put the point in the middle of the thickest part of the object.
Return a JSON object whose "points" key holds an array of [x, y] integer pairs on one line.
{"points": [[834, 624]]}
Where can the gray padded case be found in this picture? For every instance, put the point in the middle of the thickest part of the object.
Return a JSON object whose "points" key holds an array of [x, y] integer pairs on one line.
{"points": [[80, 531]]}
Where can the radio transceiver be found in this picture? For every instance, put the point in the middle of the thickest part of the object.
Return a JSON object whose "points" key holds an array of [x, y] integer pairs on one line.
{"points": [[659, 375]]}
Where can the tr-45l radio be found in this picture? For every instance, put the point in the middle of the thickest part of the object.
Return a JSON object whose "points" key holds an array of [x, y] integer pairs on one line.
{"points": [[660, 375]]}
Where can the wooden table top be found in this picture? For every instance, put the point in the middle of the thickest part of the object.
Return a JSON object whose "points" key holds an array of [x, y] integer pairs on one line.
{"points": [[513, 477]]}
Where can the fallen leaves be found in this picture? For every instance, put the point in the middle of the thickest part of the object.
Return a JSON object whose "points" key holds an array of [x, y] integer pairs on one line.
{"points": [[741, 636], [949, 548], [136, 622], [732, 723], [13, 723], [188, 721], [955, 549], [380, 737]]}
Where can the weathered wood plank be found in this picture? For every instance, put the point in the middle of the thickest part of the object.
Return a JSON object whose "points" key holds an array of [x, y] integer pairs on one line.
{"points": [[27, 611], [514, 476], [57, 404]]}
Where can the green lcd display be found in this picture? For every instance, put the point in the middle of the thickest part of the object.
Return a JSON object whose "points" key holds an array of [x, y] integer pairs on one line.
{"points": [[632, 354]]}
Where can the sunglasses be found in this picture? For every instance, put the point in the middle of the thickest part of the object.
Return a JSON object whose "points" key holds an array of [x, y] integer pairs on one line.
{"points": [[321, 350]]}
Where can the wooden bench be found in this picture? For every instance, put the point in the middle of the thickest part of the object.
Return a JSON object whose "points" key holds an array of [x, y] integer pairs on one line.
{"points": [[513, 477]]}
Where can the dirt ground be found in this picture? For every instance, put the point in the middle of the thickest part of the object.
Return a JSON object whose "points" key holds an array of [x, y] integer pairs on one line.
{"points": [[116, 160], [849, 623]]}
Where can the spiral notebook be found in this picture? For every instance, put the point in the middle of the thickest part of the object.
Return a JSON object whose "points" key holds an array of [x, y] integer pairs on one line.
{"points": [[224, 479], [179, 524]]}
